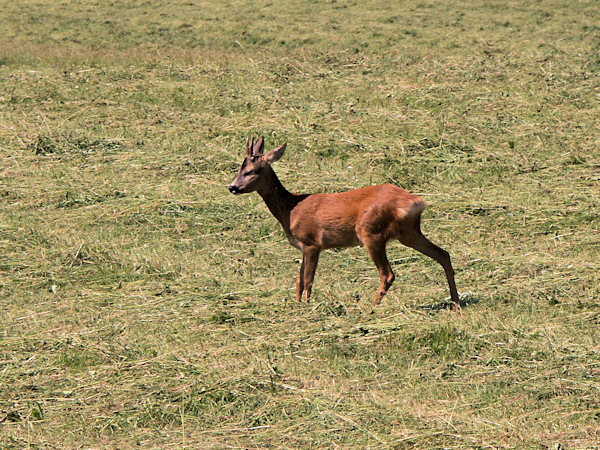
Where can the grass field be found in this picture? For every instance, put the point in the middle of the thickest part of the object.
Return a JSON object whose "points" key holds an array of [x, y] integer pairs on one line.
{"points": [[144, 305]]}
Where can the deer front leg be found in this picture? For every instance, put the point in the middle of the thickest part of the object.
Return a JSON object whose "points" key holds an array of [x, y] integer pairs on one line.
{"points": [[310, 261], [300, 282]]}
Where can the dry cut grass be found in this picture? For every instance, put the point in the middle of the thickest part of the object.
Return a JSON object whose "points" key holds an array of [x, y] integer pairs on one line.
{"points": [[143, 305]]}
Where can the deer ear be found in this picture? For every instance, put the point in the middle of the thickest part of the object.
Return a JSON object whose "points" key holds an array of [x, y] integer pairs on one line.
{"points": [[259, 147], [274, 155]]}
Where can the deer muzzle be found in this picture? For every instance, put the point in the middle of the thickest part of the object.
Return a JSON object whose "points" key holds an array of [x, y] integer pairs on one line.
{"points": [[234, 189]]}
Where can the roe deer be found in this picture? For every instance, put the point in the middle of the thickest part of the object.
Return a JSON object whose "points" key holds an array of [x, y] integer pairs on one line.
{"points": [[370, 216]]}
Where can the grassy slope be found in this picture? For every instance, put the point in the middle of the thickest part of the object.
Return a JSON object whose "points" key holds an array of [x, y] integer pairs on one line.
{"points": [[145, 305]]}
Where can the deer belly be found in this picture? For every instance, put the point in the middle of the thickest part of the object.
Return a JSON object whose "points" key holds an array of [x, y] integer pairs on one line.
{"points": [[323, 236], [340, 238]]}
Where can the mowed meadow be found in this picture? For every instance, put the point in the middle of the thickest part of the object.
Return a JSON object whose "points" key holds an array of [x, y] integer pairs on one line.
{"points": [[144, 305]]}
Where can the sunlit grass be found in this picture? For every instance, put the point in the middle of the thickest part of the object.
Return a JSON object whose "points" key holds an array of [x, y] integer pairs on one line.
{"points": [[145, 305]]}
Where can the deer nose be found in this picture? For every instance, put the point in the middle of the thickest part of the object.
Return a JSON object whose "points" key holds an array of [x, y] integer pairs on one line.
{"points": [[234, 189]]}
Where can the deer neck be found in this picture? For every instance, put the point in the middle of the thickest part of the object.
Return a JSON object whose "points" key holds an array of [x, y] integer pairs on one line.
{"points": [[278, 199]]}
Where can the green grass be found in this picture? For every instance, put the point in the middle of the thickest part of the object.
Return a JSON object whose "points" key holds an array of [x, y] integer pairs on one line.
{"points": [[143, 305]]}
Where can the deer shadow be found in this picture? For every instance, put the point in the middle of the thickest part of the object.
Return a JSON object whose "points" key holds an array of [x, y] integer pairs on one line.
{"points": [[466, 299]]}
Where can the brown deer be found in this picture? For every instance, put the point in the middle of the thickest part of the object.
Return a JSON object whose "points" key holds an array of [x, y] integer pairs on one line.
{"points": [[370, 216]]}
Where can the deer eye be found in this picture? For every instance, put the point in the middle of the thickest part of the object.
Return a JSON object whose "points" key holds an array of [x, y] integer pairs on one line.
{"points": [[251, 172]]}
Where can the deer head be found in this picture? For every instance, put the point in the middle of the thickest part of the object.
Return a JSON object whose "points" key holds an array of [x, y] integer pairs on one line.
{"points": [[254, 167]]}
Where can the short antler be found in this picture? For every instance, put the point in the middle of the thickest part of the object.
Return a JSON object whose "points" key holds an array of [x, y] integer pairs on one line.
{"points": [[259, 147], [253, 149]]}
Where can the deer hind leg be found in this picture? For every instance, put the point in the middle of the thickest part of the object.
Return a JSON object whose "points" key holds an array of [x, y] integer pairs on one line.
{"points": [[309, 266], [420, 243], [376, 249]]}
